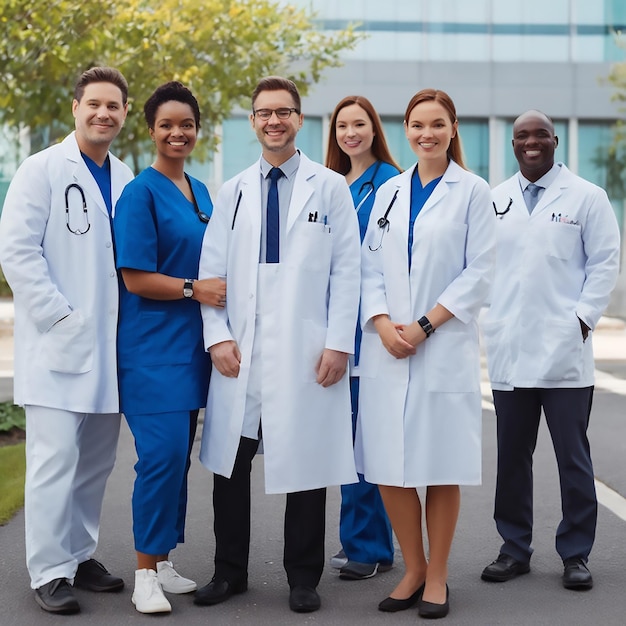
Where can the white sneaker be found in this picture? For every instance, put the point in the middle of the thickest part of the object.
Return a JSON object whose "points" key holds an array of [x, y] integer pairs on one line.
{"points": [[171, 581], [148, 596], [339, 560]]}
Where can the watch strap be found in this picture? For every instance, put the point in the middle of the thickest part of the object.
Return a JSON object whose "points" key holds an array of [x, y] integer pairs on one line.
{"points": [[427, 327]]}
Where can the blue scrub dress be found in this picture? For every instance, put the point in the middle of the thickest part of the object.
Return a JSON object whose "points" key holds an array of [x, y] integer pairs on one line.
{"points": [[364, 529], [164, 370]]}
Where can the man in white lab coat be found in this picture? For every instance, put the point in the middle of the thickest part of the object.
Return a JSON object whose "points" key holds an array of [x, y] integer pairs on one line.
{"points": [[557, 262], [285, 236], [56, 251]]}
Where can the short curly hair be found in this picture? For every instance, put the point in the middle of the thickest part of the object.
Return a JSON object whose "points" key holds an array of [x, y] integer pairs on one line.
{"points": [[172, 91]]}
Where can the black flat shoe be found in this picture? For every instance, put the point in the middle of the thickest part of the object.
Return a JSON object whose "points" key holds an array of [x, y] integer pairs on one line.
{"points": [[57, 596], [218, 590], [304, 599], [92, 575], [393, 605], [432, 610]]}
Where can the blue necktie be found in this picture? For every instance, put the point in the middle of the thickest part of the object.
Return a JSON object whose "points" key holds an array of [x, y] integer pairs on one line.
{"points": [[532, 196], [273, 219]]}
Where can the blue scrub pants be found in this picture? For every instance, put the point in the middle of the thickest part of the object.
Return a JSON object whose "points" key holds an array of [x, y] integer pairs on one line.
{"points": [[163, 443], [364, 529]]}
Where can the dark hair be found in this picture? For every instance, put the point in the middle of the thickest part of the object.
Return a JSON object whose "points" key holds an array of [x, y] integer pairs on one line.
{"points": [[101, 75], [170, 92], [276, 83], [336, 158], [455, 149]]}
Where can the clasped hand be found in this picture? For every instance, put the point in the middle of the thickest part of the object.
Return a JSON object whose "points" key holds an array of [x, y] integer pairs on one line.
{"points": [[400, 340]]}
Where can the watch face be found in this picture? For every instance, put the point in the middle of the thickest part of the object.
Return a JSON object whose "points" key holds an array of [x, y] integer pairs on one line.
{"points": [[188, 289]]}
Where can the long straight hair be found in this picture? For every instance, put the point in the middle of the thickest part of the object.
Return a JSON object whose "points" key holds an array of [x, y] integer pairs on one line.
{"points": [[455, 149], [336, 158]]}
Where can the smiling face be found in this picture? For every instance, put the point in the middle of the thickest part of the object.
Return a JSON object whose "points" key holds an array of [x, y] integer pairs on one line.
{"points": [[429, 131], [276, 136], [175, 131], [354, 131], [534, 143], [98, 116]]}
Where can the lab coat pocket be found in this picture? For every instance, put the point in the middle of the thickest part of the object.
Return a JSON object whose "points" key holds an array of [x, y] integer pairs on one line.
{"points": [[313, 339], [452, 362], [561, 240], [498, 350], [68, 346], [562, 355], [310, 247]]}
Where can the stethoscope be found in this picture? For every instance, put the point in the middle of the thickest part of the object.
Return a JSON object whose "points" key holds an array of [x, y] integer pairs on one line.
{"points": [[501, 214], [383, 223], [202, 216], [368, 183], [77, 231]]}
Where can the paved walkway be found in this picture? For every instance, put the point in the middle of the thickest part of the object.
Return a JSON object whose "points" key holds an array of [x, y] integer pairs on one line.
{"points": [[537, 599]]}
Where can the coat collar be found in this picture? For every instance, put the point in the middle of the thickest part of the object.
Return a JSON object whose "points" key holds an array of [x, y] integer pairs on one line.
{"points": [[302, 190], [82, 175]]}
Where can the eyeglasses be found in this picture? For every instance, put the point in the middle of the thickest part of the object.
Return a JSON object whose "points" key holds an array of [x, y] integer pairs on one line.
{"points": [[282, 114]]}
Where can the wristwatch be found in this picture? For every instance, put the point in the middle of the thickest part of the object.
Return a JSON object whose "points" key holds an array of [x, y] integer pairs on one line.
{"points": [[427, 327], [188, 288]]}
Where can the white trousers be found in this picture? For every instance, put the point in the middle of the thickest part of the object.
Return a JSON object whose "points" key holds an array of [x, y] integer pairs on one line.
{"points": [[69, 457]]}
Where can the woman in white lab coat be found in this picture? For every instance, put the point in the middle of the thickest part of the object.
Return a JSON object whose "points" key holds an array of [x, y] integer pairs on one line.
{"points": [[426, 265]]}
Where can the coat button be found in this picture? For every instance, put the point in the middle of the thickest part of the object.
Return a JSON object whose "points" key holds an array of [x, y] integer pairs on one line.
{"points": [[112, 274], [108, 244]]}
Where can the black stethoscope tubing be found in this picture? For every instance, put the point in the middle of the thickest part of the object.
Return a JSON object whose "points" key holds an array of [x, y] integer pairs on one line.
{"points": [[383, 222], [78, 231]]}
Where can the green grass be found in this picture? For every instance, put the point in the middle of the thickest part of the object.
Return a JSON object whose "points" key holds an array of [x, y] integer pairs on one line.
{"points": [[12, 470]]}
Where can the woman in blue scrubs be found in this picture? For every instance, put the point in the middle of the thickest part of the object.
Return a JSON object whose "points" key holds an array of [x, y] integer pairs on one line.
{"points": [[164, 370], [357, 149]]}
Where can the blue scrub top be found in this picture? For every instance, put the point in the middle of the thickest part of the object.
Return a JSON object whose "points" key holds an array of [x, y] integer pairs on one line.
{"points": [[162, 364], [363, 191]]}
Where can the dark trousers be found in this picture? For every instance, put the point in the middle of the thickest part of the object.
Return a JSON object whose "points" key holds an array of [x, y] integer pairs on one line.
{"points": [[305, 521], [567, 414]]}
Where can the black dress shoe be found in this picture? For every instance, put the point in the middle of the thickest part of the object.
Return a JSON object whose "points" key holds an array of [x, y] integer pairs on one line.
{"points": [[304, 599], [218, 590], [92, 575], [57, 596], [576, 575], [432, 610], [393, 605], [504, 568]]}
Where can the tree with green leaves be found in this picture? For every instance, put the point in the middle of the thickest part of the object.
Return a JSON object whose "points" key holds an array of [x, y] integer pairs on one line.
{"points": [[218, 48]]}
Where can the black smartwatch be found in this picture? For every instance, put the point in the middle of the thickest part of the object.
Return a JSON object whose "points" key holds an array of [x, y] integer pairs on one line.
{"points": [[427, 327], [188, 288]]}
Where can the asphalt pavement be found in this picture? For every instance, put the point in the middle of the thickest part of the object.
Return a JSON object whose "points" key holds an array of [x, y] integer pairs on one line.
{"points": [[535, 599]]}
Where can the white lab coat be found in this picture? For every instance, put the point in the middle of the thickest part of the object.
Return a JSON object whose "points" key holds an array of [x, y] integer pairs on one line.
{"points": [[313, 305], [420, 417], [53, 273], [549, 273]]}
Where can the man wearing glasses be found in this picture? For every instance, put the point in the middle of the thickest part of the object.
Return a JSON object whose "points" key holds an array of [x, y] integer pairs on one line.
{"points": [[285, 235], [56, 251]]}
